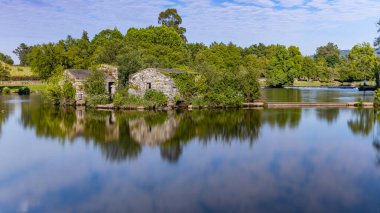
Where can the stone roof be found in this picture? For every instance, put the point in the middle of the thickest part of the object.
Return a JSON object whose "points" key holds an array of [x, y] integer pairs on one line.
{"points": [[172, 71], [79, 74]]}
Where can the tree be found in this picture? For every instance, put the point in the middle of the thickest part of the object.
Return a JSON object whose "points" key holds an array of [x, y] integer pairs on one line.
{"points": [[309, 68], [49, 59], [172, 19], [129, 63], [107, 45], [6, 59], [330, 53], [284, 66], [363, 58], [377, 39], [22, 52]]}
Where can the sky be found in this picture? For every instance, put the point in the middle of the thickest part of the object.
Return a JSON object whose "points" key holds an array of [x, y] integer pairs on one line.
{"points": [[304, 23]]}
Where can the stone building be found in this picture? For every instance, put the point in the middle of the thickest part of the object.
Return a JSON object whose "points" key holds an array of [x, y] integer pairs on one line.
{"points": [[79, 76], [155, 79]]}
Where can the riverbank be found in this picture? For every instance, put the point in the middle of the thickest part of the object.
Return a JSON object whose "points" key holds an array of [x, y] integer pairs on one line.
{"points": [[277, 105]]}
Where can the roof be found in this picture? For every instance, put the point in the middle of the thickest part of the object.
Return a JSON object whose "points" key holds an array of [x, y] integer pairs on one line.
{"points": [[172, 71], [79, 74]]}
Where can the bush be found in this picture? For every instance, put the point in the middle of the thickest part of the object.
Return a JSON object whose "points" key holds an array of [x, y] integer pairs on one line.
{"points": [[94, 100], [23, 91], [6, 90], [377, 98], [68, 93], [156, 97], [95, 83], [130, 101]]}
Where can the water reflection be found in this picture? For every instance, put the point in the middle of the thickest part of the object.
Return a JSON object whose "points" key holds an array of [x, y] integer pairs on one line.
{"points": [[266, 160]]}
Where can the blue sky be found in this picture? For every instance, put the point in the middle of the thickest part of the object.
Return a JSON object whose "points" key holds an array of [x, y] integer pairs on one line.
{"points": [[305, 23]]}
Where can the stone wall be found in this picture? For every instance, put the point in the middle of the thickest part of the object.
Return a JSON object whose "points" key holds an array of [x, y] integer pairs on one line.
{"points": [[139, 83]]}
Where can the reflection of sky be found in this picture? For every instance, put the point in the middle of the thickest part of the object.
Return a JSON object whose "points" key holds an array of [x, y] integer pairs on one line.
{"points": [[312, 168]]}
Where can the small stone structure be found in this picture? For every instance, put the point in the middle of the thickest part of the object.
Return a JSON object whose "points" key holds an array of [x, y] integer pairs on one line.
{"points": [[155, 79], [79, 76]]}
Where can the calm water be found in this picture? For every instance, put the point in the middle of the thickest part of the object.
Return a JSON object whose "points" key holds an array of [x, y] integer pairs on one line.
{"points": [[293, 160], [312, 94]]}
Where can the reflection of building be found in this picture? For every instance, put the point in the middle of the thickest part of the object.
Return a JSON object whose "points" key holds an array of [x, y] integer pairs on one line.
{"points": [[147, 134], [83, 122]]}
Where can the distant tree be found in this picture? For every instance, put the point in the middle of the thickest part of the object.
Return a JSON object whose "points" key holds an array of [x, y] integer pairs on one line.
{"points": [[309, 68], [6, 59], [172, 19], [330, 53], [363, 59], [22, 52], [259, 50], [377, 39]]}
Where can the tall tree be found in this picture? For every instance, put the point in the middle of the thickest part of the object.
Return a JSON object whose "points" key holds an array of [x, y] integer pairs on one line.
{"points": [[363, 58], [172, 19], [377, 39], [330, 53], [22, 52]]}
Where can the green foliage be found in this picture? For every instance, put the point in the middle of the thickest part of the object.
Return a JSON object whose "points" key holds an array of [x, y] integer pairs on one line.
{"points": [[47, 60], [6, 59], [4, 73], [98, 99], [23, 91], [284, 66], [95, 83], [129, 63], [68, 93], [377, 98], [363, 58], [159, 46], [330, 53], [22, 52], [53, 92], [156, 97], [172, 19], [6, 90], [130, 101]]}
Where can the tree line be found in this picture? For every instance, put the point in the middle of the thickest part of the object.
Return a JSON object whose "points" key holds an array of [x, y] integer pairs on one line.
{"points": [[225, 72]]}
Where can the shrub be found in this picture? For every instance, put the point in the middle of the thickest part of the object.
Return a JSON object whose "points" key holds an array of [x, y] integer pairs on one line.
{"points": [[68, 93], [130, 101], [95, 83], [377, 98], [6, 90], [94, 100], [156, 97], [23, 91]]}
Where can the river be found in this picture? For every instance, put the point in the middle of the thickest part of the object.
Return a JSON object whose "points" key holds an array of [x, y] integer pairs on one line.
{"points": [[247, 160]]}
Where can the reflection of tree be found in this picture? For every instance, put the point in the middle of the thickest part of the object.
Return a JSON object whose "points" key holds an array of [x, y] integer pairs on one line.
{"points": [[362, 122], [329, 115], [283, 117], [100, 127], [5, 111]]}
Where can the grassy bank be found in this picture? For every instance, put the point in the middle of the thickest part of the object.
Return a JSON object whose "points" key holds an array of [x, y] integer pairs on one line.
{"points": [[34, 88]]}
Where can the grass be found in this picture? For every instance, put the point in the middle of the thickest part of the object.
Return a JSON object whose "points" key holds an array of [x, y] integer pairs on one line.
{"points": [[34, 88], [18, 70]]}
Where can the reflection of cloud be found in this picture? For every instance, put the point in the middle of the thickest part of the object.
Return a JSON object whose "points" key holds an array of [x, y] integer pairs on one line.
{"points": [[147, 134]]}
